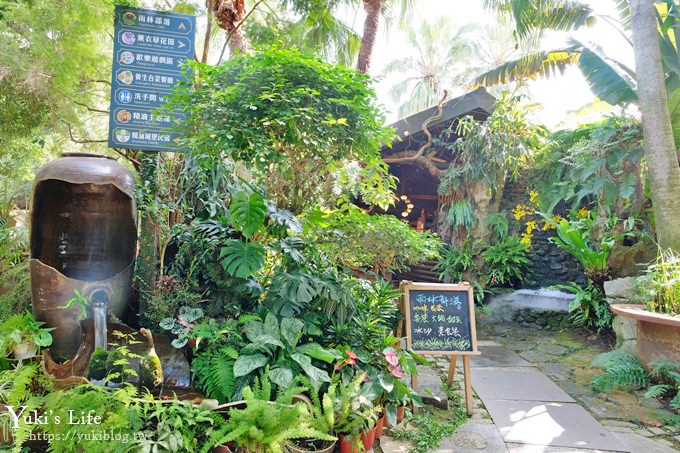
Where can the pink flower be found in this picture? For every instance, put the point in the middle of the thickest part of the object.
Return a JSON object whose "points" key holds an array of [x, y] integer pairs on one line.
{"points": [[396, 371], [391, 357], [185, 323], [351, 357]]}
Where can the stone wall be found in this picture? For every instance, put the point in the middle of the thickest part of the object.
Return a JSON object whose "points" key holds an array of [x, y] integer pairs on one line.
{"points": [[550, 264]]}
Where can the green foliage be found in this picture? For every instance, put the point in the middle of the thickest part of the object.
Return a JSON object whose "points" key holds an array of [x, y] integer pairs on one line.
{"points": [[269, 426], [379, 242], [572, 238], [248, 212], [506, 262], [457, 262], [660, 286], [352, 404], [97, 366], [498, 224], [600, 161], [167, 300], [242, 259], [296, 123], [622, 370], [15, 284], [19, 329], [461, 214], [488, 151], [177, 427], [277, 343], [182, 326], [589, 308], [426, 430], [214, 373]]}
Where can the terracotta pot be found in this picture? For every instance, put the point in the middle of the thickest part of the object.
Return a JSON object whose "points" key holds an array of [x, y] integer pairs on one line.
{"points": [[658, 334], [401, 413], [379, 425], [221, 449], [348, 444], [368, 438]]}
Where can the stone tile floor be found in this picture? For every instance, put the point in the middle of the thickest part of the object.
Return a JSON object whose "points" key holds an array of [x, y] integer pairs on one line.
{"points": [[564, 356]]}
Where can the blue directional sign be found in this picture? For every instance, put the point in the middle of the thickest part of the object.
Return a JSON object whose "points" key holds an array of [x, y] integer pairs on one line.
{"points": [[149, 50]]}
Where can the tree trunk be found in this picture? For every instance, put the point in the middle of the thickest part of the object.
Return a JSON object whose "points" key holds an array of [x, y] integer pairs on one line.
{"points": [[373, 8], [229, 14], [662, 162]]}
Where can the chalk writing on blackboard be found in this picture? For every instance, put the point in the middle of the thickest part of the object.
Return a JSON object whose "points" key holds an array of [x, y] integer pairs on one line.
{"points": [[439, 317]]}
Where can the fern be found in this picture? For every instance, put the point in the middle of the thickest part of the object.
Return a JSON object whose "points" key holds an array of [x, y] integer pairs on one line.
{"points": [[498, 223], [625, 375], [659, 390], [615, 357], [461, 214], [214, 373]]}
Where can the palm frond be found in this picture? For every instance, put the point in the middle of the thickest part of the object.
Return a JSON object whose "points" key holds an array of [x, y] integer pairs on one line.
{"points": [[544, 64], [532, 15], [609, 80]]}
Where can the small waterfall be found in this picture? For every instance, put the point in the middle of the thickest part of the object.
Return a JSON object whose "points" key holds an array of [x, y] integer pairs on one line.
{"points": [[100, 301], [100, 329]]}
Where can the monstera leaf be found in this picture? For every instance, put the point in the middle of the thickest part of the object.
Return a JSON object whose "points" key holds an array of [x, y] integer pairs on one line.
{"points": [[242, 259], [248, 212]]}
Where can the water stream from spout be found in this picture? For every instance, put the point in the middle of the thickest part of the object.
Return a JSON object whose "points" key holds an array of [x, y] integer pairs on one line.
{"points": [[100, 328]]}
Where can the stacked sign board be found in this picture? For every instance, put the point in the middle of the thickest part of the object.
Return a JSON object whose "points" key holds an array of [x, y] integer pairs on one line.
{"points": [[150, 48]]}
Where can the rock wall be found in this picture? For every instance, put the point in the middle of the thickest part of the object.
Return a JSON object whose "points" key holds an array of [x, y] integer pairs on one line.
{"points": [[550, 264]]}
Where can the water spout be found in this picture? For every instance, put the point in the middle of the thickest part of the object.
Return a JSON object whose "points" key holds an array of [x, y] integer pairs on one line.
{"points": [[99, 300]]}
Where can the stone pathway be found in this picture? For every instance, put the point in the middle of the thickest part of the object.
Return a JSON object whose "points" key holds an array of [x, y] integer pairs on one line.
{"points": [[532, 395]]}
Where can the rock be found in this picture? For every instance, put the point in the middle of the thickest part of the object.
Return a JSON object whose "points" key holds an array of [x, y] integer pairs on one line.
{"points": [[626, 333], [619, 290]]}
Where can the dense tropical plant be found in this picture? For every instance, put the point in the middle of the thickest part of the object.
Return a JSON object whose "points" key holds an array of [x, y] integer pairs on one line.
{"points": [[485, 156], [298, 125], [589, 308], [506, 262], [601, 162]]}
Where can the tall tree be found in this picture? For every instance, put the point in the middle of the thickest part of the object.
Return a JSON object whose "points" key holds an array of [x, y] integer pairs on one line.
{"points": [[438, 61], [229, 15], [373, 8], [662, 160]]}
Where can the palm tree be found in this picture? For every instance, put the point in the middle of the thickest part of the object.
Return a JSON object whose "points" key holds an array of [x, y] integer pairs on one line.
{"points": [[373, 10], [662, 160], [229, 15], [437, 62]]}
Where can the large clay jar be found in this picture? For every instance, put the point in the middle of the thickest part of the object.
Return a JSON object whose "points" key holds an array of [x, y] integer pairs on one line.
{"points": [[83, 237]]}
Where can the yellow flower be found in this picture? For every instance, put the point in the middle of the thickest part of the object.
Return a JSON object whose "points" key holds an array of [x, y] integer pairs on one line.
{"points": [[533, 196], [583, 213], [526, 239]]}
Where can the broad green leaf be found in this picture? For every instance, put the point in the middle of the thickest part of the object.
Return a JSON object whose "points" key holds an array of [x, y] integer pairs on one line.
{"points": [[316, 375], [271, 325], [248, 212], [268, 340], [43, 339], [254, 329], [247, 363], [291, 330], [316, 351], [281, 376], [242, 259]]}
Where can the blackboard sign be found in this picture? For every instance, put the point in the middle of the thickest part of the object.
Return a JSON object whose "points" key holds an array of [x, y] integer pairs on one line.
{"points": [[439, 318]]}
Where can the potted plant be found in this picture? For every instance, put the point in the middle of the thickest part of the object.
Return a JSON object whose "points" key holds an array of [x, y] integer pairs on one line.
{"points": [[322, 419], [264, 425], [658, 316], [22, 335], [355, 412]]}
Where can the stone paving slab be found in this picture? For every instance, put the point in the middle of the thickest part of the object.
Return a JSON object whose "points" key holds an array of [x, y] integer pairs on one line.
{"points": [[497, 356], [473, 436], [639, 444], [517, 383], [551, 424]]}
